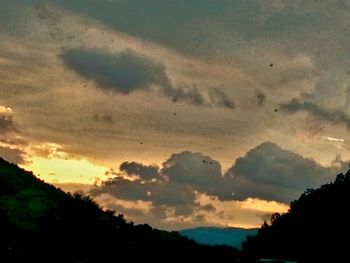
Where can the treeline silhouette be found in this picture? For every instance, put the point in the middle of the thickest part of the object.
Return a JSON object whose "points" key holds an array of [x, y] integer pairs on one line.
{"points": [[41, 223], [315, 229]]}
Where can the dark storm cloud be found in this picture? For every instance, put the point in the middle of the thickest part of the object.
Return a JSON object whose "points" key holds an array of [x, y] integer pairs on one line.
{"points": [[269, 164], [123, 72], [174, 195], [221, 99], [190, 168], [145, 172], [180, 197], [276, 174], [125, 189], [160, 192], [178, 179], [265, 172], [322, 114], [126, 72], [185, 92], [221, 29]]}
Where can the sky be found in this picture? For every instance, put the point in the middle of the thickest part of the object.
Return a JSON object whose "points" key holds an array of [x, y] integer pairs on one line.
{"points": [[178, 113]]}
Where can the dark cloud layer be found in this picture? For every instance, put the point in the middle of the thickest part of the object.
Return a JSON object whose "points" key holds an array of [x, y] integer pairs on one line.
{"points": [[221, 99], [322, 114], [269, 164], [186, 93], [144, 171], [190, 168], [276, 174], [129, 71], [265, 172], [12, 155], [200, 27], [126, 72], [123, 72]]}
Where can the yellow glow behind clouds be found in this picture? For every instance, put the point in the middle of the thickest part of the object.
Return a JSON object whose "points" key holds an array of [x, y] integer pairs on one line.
{"points": [[246, 214], [58, 170], [263, 205]]}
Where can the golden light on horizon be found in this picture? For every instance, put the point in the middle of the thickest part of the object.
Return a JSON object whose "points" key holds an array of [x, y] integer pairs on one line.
{"points": [[263, 205], [58, 170]]}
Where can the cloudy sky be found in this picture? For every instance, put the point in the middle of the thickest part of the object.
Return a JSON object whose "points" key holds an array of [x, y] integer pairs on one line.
{"points": [[178, 113]]}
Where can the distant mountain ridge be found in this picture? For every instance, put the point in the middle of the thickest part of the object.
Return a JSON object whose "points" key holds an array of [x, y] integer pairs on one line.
{"points": [[231, 236]]}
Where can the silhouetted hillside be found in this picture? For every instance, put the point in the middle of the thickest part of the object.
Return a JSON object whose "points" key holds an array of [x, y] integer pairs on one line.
{"points": [[40, 223], [316, 229], [230, 236]]}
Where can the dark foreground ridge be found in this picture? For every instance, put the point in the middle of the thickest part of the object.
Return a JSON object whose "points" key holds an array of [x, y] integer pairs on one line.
{"points": [[40, 223], [316, 228]]}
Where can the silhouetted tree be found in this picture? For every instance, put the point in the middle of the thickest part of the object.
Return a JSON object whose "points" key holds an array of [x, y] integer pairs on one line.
{"points": [[312, 230]]}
